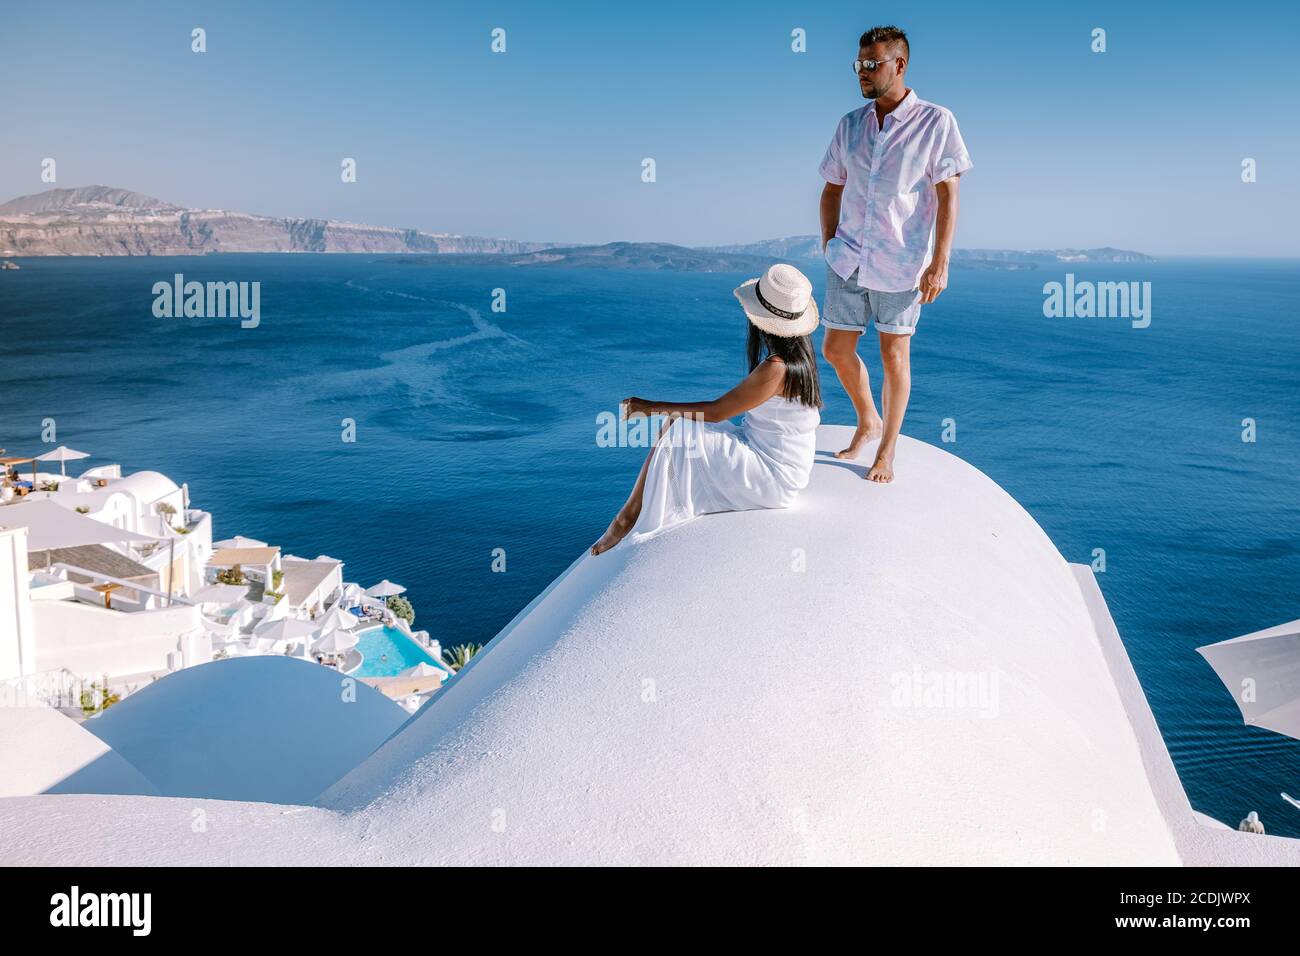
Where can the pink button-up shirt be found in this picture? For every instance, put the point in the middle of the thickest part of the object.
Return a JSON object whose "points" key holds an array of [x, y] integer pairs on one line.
{"points": [[887, 212]]}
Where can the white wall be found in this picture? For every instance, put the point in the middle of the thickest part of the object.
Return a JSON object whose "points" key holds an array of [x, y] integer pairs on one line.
{"points": [[91, 641], [118, 510], [199, 542], [17, 633]]}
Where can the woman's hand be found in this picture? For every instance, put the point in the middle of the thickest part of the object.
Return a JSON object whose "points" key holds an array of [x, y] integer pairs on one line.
{"points": [[634, 406]]}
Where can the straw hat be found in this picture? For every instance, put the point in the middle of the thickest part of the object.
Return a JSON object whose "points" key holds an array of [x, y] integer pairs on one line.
{"points": [[780, 302]]}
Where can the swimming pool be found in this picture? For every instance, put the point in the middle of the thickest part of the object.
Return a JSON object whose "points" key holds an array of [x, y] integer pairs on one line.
{"points": [[388, 652]]}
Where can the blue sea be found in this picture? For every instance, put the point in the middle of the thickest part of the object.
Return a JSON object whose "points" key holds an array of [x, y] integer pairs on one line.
{"points": [[475, 431]]}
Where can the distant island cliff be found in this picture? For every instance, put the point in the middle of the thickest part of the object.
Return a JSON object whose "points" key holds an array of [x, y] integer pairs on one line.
{"points": [[650, 256], [105, 221], [753, 257], [108, 221], [809, 247]]}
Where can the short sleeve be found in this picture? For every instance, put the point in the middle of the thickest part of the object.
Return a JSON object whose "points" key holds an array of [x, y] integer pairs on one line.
{"points": [[832, 168], [950, 157]]}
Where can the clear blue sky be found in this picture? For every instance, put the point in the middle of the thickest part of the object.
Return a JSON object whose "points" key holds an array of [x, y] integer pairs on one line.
{"points": [[1139, 147]]}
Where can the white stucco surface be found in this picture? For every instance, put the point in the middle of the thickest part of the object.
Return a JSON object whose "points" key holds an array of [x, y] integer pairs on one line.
{"points": [[736, 692], [699, 699]]}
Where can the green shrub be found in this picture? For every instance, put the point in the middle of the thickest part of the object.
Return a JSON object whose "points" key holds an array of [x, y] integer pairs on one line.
{"points": [[401, 607], [232, 575], [460, 655], [98, 699]]}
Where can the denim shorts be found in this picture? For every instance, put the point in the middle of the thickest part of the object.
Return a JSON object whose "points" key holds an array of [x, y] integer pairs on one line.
{"points": [[851, 307]]}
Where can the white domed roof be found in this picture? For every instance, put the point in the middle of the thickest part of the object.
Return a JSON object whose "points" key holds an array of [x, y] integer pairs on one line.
{"points": [[882, 675], [265, 728], [146, 485]]}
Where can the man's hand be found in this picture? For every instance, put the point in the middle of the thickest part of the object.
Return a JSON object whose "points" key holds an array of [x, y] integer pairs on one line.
{"points": [[934, 280]]}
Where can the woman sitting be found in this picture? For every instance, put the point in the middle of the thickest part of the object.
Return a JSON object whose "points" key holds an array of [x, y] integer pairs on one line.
{"points": [[702, 462]]}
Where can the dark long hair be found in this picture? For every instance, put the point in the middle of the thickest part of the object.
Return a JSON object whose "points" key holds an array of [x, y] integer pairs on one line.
{"points": [[801, 382]]}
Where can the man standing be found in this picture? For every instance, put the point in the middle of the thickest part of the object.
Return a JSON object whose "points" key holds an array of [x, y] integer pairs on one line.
{"points": [[891, 174]]}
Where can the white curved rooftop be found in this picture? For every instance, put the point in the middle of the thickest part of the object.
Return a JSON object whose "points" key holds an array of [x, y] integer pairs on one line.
{"points": [[270, 728], [766, 687], [780, 730], [148, 486]]}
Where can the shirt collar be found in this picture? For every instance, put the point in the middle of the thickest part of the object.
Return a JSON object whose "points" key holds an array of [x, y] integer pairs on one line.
{"points": [[902, 110]]}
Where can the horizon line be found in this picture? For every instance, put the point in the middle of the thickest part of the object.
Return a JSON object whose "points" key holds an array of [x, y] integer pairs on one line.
{"points": [[1042, 247]]}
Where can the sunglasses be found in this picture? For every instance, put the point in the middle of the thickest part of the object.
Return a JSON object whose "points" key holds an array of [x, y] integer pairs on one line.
{"points": [[868, 65]]}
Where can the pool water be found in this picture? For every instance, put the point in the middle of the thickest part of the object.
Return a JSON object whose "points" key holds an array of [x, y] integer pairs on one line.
{"points": [[388, 652]]}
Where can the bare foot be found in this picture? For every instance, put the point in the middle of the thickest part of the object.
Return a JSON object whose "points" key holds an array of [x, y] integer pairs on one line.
{"points": [[864, 433], [883, 470], [616, 532]]}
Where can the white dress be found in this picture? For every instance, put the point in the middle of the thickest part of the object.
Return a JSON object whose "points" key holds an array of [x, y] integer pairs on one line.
{"points": [[702, 467]]}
